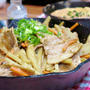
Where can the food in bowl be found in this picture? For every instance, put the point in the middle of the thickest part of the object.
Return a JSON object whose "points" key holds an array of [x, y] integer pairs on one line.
{"points": [[34, 48], [72, 13]]}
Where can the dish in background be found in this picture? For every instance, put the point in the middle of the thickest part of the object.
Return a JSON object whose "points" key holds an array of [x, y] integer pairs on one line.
{"points": [[61, 5], [72, 13]]}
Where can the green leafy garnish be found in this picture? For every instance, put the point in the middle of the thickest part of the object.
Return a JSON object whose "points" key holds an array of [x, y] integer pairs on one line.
{"points": [[28, 30]]}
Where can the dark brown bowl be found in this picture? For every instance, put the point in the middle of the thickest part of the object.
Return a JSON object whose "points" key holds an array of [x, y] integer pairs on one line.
{"points": [[37, 2], [48, 9], [52, 81]]}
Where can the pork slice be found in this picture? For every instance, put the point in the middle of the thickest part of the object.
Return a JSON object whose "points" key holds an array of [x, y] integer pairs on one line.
{"points": [[53, 49], [8, 41], [75, 62], [51, 44], [57, 58]]}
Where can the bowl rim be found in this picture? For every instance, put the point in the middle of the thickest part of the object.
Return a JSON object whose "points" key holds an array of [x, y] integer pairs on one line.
{"points": [[49, 74]]}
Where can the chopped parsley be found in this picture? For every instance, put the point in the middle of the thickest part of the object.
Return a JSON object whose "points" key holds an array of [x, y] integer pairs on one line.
{"points": [[75, 13]]}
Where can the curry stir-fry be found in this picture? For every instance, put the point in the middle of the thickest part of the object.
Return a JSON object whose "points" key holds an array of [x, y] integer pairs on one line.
{"points": [[33, 48]]}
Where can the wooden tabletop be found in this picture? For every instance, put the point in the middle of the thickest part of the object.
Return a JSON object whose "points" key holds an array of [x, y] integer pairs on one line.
{"points": [[33, 11]]}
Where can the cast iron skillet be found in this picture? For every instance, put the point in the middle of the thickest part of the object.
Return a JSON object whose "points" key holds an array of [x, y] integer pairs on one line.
{"points": [[52, 81], [48, 9]]}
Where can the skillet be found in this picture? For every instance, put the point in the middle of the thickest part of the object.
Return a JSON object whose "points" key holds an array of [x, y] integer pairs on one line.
{"points": [[51, 81]]}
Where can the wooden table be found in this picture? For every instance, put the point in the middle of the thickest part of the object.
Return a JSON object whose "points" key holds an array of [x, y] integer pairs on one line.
{"points": [[33, 11]]}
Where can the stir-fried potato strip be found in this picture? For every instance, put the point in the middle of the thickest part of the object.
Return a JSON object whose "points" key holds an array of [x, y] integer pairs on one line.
{"points": [[68, 61], [61, 24], [11, 62], [23, 66], [56, 68], [44, 63], [14, 58], [22, 55], [47, 20], [32, 56], [39, 56], [57, 27]]}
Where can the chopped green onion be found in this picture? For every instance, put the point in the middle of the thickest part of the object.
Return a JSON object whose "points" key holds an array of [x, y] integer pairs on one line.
{"points": [[28, 30]]}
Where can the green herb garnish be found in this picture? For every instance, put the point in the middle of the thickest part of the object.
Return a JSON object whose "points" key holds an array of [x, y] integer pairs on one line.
{"points": [[77, 14], [72, 16], [28, 30], [69, 13]]}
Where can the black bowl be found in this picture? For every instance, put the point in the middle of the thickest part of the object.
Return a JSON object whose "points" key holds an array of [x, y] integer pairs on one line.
{"points": [[48, 9], [37, 2], [52, 81]]}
